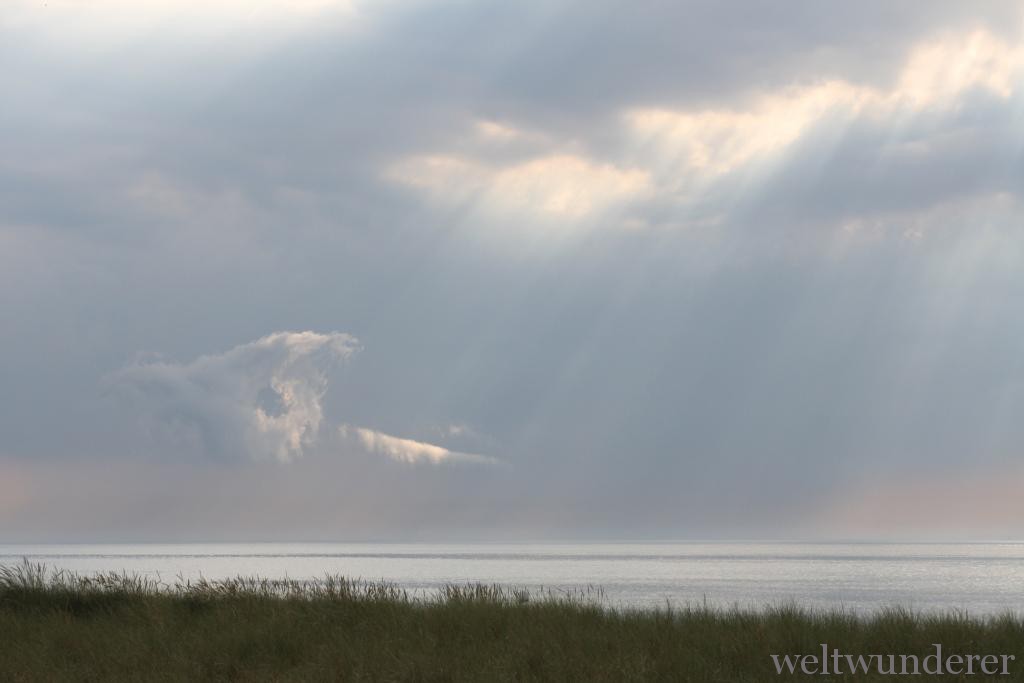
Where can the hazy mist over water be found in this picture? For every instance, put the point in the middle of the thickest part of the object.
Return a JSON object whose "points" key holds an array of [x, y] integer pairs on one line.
{"points": [[981, 578]]}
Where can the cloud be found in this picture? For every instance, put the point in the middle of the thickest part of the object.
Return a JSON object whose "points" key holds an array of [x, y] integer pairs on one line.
{"points": [[712, 142], [407, 450], [706, 164], [261, 400], [497, 133], [558, 186], [846, 282]]}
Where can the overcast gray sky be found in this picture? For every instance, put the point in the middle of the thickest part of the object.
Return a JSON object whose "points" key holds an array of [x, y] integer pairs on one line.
{"points": [[410, 269]]}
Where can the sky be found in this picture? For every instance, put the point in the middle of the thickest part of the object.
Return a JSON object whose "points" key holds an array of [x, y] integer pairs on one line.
{"points": [[448, 270]]}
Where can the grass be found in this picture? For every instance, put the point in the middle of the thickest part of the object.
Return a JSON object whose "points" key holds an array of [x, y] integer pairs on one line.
{"points": [[57, 626]]}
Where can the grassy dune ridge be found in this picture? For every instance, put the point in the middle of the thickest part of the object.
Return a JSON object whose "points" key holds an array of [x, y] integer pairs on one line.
{"points": [[57, 625]]}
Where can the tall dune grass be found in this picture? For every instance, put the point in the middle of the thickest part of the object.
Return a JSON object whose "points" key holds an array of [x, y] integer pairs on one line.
{"points": [[56, 625]]}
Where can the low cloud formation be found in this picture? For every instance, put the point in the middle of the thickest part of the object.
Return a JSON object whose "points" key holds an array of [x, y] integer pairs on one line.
{"points": [[261, 400], [407, 450]]}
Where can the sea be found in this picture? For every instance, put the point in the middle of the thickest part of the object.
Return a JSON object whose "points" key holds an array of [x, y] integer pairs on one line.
{"points": [[976, 578]]}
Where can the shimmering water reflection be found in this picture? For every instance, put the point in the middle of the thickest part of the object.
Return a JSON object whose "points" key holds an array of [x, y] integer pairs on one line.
{"points": [[980, 578]]}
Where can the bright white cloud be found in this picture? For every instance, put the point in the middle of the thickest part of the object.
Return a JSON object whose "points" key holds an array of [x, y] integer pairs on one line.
{"points": [[561, 186], [713, 142], [261, 400], [690, 147], [407, 450], [676, 154], [941, 70]]}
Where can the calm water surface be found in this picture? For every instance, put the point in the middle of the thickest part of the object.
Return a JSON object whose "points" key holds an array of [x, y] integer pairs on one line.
{"points": [[980, 578]]}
